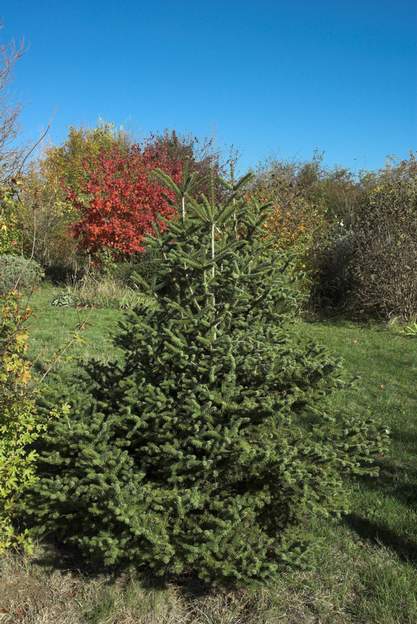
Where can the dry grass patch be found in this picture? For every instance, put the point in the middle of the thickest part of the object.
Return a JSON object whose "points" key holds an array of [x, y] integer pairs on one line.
{"points": [[351, 582]]}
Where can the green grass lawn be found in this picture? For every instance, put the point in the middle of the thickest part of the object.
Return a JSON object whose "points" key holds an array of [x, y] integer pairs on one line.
{"points": [[52, 331], [364, 569]]}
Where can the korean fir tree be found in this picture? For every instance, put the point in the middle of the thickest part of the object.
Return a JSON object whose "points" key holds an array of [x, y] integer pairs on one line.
{"points": [[207, 449]]}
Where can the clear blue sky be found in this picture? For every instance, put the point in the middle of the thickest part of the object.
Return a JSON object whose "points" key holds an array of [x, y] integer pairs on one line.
{"points": [[272, 77]]}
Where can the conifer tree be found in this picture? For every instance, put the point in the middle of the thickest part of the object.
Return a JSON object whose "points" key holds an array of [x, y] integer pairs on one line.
{"points": [[207, 448]]}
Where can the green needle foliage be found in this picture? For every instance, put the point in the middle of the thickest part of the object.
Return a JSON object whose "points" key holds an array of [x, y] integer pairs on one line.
{"points": [[205, 451]]}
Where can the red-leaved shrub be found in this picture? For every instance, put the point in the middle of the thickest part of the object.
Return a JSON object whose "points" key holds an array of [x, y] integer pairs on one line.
{"points": [[122, 200]]}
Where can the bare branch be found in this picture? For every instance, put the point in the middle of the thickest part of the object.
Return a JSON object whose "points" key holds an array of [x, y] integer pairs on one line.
{"points": [[10, 155], [34, 146]]}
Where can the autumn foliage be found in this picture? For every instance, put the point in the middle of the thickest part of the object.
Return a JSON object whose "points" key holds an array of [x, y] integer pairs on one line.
{"points": [[122, 200], [45, 215]]}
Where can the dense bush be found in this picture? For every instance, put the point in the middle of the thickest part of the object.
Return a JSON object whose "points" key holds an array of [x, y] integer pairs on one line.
{"points": [[312, 209], [385, 243], [121, 200], [17, 272], [297, 203], [366, 262], [208, 448]]}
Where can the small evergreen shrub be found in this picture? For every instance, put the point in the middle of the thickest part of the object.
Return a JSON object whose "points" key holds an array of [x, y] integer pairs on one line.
{"points": [[207, 450], [17, 272]]}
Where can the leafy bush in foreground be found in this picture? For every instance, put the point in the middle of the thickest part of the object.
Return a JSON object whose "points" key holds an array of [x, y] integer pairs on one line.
{"points": [[206, 451], [19, 422]]}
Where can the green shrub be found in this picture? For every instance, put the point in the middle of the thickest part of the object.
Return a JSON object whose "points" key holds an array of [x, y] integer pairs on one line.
{"points": [[19, 422], [208, 448], [18, 273]]}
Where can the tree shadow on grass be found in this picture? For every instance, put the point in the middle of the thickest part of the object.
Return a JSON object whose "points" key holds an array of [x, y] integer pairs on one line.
{"points": [[406, 438], [379, 534], [396, 479], [55, 556]]}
